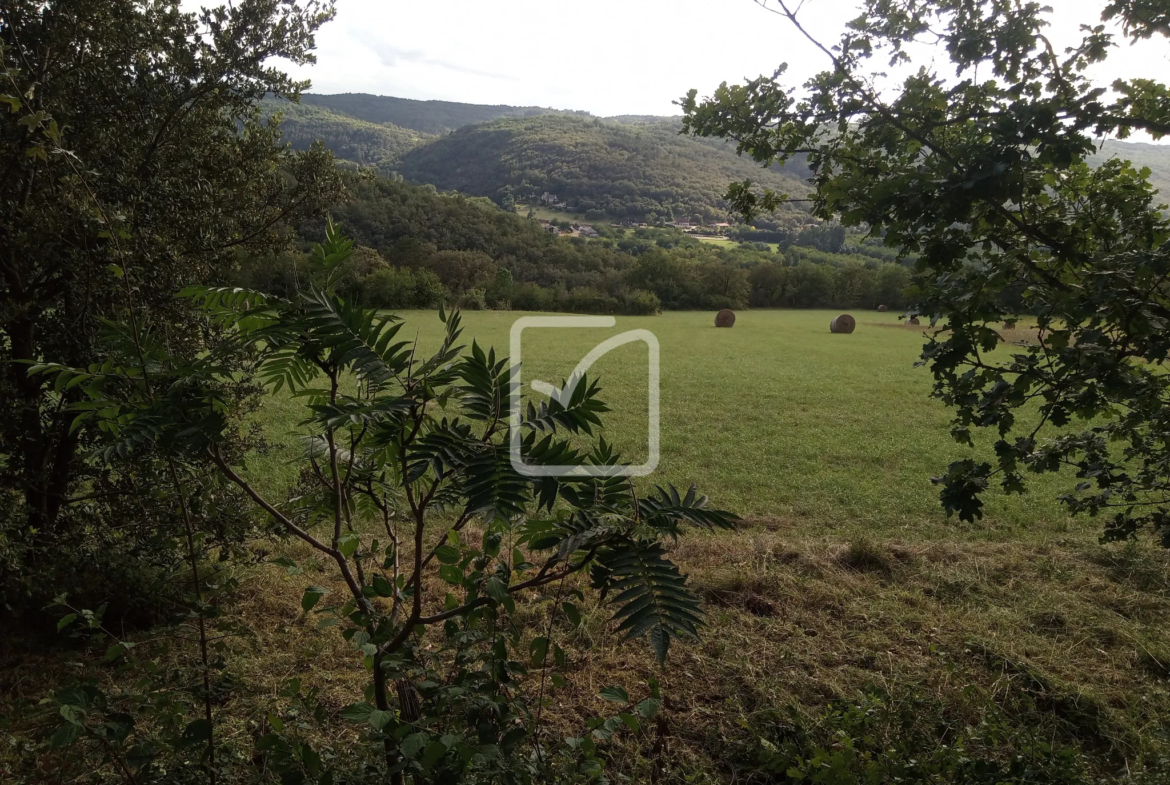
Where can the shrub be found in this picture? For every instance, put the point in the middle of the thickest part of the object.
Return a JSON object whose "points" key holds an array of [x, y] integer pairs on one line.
{"points": [[473, 300], [881, 740], [641, 303], [393, 287], [419, 447], [531, 297], [586, 299]]}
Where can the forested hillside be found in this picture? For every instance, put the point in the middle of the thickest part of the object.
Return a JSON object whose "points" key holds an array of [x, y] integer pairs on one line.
{"points": [[641, 172], [417, 247], [430, 117], [351, 139], [633, 166], [1154, 156]]}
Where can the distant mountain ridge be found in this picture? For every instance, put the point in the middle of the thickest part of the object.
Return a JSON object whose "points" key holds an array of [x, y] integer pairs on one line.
{"points": [[625, 167], [428, 117], [1154, 156]]}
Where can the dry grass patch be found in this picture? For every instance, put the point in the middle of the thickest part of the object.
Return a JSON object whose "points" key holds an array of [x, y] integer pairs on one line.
{"points": [[1067, 640]]}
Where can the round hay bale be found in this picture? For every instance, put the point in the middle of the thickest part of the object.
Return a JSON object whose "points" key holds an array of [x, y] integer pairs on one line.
{"points": [[912, 321], [725, 318], [883, 308], [843, 324]]}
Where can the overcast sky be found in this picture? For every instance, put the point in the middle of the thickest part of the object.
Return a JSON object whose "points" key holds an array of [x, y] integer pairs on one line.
{"points": [[606, 56]]}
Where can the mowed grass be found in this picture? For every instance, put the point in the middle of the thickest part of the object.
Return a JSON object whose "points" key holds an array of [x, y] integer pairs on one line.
{"points": [[546, 214], [727, 242], [774, 419], [845, 580]]}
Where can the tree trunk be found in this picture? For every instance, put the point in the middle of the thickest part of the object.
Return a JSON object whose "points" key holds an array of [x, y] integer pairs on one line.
{"points": [[382, 701]]}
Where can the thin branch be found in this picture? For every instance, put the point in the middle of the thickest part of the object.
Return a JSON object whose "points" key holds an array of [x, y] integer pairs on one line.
{"points": [[284, 521], [204, 659], [541, 579]]}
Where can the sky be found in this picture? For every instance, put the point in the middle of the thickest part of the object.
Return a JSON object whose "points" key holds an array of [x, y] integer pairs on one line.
{"points": [[607, 57]]}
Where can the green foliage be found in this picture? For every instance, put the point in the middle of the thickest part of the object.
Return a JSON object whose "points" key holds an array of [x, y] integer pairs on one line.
{"points": [[348, 138], [429, 117], [415, 246], [879, 740], [126, 178], [400, 288], [987, 179], [421, 442], [156, 719]]}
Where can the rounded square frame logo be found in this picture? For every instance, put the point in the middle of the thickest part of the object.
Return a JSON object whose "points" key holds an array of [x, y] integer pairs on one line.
{"points": [[563, 395]]}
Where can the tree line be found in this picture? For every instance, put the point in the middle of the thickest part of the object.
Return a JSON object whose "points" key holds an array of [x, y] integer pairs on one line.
{"points": [[418, 248], [351, 140]]}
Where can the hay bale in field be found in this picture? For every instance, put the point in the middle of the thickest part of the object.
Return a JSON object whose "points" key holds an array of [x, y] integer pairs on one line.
{"points": [[725, 318], [912, 321], [883, 308], [843, 324]]}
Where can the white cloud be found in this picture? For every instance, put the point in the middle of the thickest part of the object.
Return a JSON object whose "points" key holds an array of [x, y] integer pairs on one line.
{"points": [[606, 56]]}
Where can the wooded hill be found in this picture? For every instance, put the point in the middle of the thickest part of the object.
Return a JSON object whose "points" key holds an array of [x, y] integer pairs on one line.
{"points": [[417, 247], [1154, 156], [352, 140], [630, 167], [428, 117], [622, 171]]}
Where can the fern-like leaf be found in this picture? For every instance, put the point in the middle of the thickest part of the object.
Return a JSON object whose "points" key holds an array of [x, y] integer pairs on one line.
{"points": [[666, 510], [494, 488], [357, 338], [652, 597]]}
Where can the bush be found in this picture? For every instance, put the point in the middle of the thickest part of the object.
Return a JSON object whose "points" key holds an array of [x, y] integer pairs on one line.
{"points": [[641, 303], [586, 299], [399, 288], [429, 291], [531, 297], [389, 288], [473, 300], [459, 712]]}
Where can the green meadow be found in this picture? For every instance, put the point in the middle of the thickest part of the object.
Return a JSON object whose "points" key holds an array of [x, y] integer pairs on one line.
{"points": [[727, 242], [775, 418], [846, 585]]}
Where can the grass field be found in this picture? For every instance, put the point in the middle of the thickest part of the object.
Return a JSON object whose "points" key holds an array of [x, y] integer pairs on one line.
{"points": [[727, 242], [775, 418], [1019, 638], [846, 580], [545, 214]]}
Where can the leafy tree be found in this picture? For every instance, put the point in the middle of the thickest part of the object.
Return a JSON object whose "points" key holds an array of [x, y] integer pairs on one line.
{"points": [[133, 160], [409, 491], [725, 284], [469, 244], [985, 177], [670, 278], [461, 271]]}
